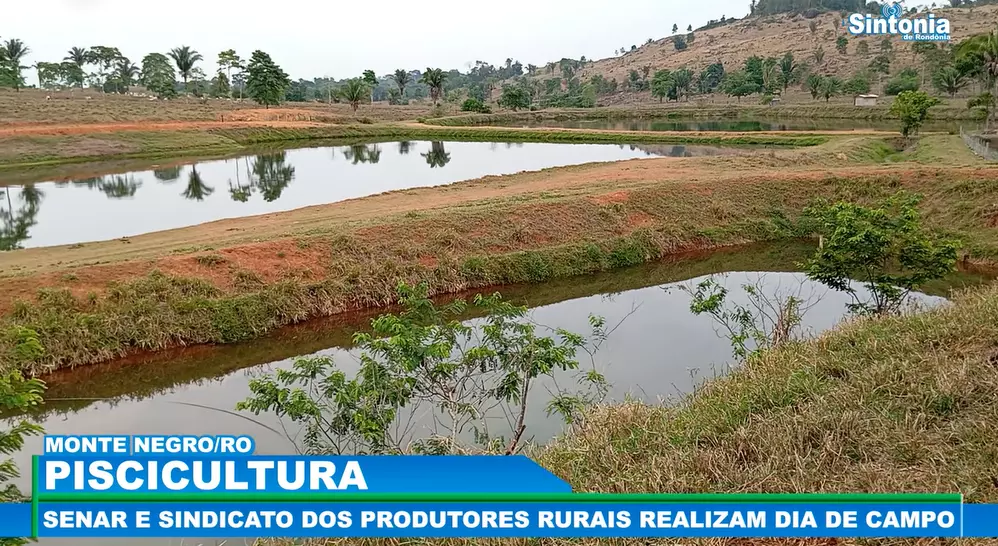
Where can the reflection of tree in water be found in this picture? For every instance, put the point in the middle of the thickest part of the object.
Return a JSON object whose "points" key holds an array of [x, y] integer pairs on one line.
{"points": [[362, 153], [167, 174], [510, 145], [14, 225], [437, 156], [273, 175], [404, 147], [119, 186], [196, 188], [269, 174], [115, 186], [679, 151]]}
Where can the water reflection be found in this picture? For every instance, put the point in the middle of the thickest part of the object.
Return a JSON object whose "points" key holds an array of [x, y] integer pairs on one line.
{"points": [[14, 224], [437, 156], [166, 197]]}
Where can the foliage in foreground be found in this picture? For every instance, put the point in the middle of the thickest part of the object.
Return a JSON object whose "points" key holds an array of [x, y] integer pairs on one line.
{"points": [[886, 248], [16, 394], [426, 355]]}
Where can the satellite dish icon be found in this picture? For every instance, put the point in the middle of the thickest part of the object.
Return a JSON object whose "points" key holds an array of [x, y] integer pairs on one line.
{"points": [[892, 11]]}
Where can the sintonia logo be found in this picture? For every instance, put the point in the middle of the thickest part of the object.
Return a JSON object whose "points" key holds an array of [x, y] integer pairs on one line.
{"points": [[926, 28]]}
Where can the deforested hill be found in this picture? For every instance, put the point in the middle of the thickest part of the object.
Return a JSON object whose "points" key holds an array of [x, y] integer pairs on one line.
{"points": [[803, 34]]}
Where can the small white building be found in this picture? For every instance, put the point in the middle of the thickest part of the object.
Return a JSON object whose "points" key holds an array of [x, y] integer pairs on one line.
{"points": [[866, 100]]}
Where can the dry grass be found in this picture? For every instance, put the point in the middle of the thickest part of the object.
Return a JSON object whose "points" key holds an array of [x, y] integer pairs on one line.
{"points": [[899, 404], [30, 106]]}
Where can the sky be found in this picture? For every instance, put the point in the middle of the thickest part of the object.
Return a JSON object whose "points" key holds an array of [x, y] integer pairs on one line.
{"points": [[330, 38]]}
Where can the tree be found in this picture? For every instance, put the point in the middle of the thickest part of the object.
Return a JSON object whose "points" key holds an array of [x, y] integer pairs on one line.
{"points": [[739, 84], [979, 54], [842, 44], [949, 80], [661, 83], [862, 48], [423, 354], [104, 58], [789, 70], [371, 79], [711, 77], [912, 108], [515, 97], [266, 83], [158, 76], [126, 74], [885, 248], [881, 64], [859, 84], [813, 85], [229, 60], [818, 55], [682, 80], [675, 28], [472, 104], [689, 28], [402, 78], [220, 86], [906, 80], [354, 92], [17, 396], [77, 56], [830, 87], [679, 43], [186, 59], [14, 52], [435, 79]]}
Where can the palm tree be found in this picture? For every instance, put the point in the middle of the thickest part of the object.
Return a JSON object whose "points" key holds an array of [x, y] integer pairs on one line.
{"points": [[982, 51], [127, 72], [185, 58], [78, 55], [14, 50], [949, 80], [435, 79], [355, 91], [402, 79]]}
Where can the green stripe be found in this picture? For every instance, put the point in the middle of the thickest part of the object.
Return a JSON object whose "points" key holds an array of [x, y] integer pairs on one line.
{"points": [[34, 496], [504, 497]]}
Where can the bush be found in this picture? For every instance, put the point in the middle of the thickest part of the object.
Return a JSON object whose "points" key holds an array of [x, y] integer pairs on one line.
{"points": [[900, 84], [475, 105]]}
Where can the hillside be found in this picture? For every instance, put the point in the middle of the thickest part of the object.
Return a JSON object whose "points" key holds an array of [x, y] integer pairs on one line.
{"points": [[772, 36]]}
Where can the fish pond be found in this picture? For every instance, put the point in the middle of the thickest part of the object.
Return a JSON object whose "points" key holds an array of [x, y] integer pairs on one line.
{"points": [[160, 198], [654, 350]]}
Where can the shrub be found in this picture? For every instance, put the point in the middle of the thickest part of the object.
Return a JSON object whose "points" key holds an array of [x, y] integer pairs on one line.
{"points": [[475, 105]]}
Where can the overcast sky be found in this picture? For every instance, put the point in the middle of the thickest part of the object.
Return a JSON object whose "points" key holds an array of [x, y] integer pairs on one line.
{"points": [[337, 38]]}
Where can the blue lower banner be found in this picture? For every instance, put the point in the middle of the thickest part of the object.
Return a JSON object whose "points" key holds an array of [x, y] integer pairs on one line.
{"points": [[504, 519]]}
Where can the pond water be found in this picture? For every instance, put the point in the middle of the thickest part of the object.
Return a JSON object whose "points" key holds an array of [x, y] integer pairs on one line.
{"points": [[120, 205], [657, 350], [742, 125]]}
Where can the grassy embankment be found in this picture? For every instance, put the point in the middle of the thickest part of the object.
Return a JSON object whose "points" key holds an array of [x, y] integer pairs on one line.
{"points": [[32, 151], [606, 216], [705, 111], [881, 406]]}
